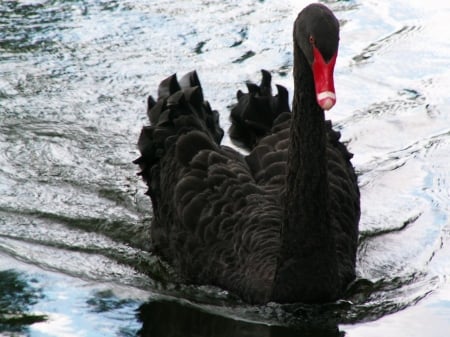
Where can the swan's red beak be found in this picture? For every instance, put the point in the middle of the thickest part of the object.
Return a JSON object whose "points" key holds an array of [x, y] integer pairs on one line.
{"points": [[323, 79]]}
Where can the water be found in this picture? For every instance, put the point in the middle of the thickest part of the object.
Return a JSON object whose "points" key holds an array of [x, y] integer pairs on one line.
{"points": [[75, 258]]}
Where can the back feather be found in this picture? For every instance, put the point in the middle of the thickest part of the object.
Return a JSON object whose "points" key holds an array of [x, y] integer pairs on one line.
{"points": [[257, 111]]}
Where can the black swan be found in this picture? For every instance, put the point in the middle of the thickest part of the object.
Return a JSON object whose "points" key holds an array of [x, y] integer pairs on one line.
{"points": [[280, 224]]}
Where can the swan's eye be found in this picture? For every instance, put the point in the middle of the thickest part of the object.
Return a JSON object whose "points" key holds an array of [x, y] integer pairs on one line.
{"points": [[311, 40]]}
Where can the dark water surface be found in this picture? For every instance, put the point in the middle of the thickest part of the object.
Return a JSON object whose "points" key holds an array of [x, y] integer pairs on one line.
{"points": [[74, 244]]}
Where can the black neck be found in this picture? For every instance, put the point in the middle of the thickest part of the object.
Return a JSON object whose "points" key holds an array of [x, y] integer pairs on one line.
{"points": [[307, 269]]}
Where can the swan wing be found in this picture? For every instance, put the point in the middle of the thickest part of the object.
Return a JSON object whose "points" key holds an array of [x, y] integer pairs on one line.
{"points": [[212, 221]]}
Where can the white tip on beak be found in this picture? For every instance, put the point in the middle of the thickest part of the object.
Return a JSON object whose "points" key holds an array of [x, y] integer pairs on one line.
{"points": [[326, 99]]}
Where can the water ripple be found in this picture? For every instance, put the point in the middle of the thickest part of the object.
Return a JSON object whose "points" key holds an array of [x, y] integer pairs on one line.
{"points": [[74, 77]]}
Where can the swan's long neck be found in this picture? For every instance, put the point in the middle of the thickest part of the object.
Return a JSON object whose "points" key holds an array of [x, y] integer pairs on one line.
{"points": [[307, 269]]}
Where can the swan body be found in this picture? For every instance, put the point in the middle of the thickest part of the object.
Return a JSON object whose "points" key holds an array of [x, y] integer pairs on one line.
{"points": [[280, 224]]}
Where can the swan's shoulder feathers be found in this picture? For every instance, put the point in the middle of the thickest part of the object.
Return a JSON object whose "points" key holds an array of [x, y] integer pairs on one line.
{"points": [[344, 199]]}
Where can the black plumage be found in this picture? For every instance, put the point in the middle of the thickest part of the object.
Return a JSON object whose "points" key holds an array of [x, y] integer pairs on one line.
{"points": [[279, 224]]}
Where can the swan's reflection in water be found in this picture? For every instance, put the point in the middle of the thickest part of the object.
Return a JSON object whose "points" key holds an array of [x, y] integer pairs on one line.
{"points": [[170, 318]]}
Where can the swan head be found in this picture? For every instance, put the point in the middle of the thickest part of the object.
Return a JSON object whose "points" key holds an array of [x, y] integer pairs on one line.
{"points": [[316, 33]]}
